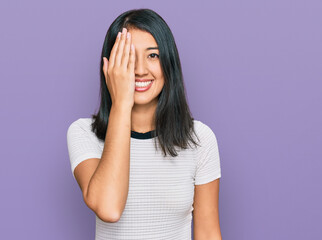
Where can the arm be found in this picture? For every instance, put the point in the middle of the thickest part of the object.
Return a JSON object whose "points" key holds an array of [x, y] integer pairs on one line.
{"points": [[105, 182], [106, 191], [205, 214]]}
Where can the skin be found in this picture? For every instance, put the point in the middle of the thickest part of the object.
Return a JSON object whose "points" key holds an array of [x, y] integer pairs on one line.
{"points": [[106, 180], [206, 213], [147, 66]]}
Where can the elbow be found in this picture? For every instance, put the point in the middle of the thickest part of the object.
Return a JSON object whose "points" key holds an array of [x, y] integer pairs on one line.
{"points": [[106, 215]]}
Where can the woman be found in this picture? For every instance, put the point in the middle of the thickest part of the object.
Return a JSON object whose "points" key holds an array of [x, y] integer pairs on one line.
{"points": [[134, 160]]}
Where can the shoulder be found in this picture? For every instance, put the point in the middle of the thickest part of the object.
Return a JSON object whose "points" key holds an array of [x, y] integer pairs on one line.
{"points": [[203, 130], [81, 125], [80, 133]]}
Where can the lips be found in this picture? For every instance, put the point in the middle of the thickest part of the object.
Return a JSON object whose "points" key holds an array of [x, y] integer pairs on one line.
{"points": [[145, 87]]}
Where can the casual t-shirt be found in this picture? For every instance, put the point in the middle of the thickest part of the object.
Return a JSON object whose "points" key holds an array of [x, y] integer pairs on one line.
{"points": [[161, 189]]}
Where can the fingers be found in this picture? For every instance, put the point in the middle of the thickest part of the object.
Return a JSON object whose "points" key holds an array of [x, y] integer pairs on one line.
{"points": [[105, 64], [114, 49], [125, 58], [122, 53], [105, 67], [132, 59], [120, 49]]}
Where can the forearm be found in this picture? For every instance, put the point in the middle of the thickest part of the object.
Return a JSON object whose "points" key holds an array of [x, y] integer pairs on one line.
{"points": [[108, 188]]}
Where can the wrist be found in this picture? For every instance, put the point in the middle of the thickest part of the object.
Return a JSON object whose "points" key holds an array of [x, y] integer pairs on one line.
{"points": [[123, 107]]}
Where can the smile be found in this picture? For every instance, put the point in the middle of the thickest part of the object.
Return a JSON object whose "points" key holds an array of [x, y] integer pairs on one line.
{"points": [[142, 86]]}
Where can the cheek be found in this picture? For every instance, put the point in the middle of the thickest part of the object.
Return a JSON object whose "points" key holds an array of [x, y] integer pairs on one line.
{"points": [[156, 70], [155, 67], [160, 84]]}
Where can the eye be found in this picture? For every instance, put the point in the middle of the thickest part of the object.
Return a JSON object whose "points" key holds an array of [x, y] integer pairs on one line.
{"points": [[154, 55]]}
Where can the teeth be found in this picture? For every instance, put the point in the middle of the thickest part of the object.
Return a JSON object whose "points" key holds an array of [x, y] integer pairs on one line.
{"points": [[142, 84]]}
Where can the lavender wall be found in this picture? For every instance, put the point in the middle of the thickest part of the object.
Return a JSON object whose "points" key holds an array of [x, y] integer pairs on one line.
{"points": [[252, 72]]}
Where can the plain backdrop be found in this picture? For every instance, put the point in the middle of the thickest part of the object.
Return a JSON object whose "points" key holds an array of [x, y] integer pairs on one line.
{"points": [[252, 72]]}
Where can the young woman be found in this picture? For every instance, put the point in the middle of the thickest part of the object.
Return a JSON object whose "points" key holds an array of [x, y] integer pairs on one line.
{"points": [[138, 165]]}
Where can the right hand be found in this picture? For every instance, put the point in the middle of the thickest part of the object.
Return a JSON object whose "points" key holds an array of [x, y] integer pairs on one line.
{"points": [[119, 71]]}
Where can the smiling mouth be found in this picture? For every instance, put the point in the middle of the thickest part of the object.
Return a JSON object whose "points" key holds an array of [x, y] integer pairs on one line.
{"points": [[142, 84]]}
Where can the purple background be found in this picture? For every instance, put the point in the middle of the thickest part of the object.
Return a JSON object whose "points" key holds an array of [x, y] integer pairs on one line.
{"points": [[252, 73]]}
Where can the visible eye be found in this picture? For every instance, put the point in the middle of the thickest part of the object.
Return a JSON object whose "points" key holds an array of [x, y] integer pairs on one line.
{"points": [[154, 55]]}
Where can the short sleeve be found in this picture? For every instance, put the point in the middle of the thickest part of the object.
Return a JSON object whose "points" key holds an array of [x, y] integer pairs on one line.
{"points": [[207, 156], [81, 144]]}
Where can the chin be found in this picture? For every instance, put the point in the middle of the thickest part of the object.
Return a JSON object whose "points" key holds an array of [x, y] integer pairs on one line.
{"points": [[142, 100]]}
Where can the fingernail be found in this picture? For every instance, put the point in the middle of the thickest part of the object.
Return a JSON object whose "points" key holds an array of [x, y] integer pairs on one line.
{"points": [[123, 30], [119, 34]]}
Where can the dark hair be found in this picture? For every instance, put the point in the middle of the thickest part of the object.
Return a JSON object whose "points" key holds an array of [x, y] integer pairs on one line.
{"points": [[174, 123]]}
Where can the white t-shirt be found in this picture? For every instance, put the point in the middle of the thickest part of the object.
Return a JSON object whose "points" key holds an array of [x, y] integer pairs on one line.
{"points": [[161, 189]]}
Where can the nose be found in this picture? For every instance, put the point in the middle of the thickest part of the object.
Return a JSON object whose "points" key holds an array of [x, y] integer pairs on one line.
{"points": [[140, 67]]}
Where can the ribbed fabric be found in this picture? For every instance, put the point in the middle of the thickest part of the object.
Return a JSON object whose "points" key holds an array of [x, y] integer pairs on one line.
{"points": [[161, 189]]}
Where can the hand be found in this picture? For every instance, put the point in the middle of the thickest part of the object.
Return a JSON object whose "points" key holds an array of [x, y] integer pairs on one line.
{"points": [[119, 70]]}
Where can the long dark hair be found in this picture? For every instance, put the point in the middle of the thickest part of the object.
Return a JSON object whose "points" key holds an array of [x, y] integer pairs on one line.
{"points": [[174, 123]]}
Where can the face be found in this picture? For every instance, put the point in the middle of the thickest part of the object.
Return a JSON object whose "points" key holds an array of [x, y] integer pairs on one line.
{"points": [[147, 68]]}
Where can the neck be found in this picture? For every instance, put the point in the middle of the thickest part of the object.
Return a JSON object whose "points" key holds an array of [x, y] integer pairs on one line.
{"points": [[143, 118]]}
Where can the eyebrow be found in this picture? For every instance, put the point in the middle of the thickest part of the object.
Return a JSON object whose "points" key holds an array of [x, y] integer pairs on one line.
{"points": [[150, 48]]}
